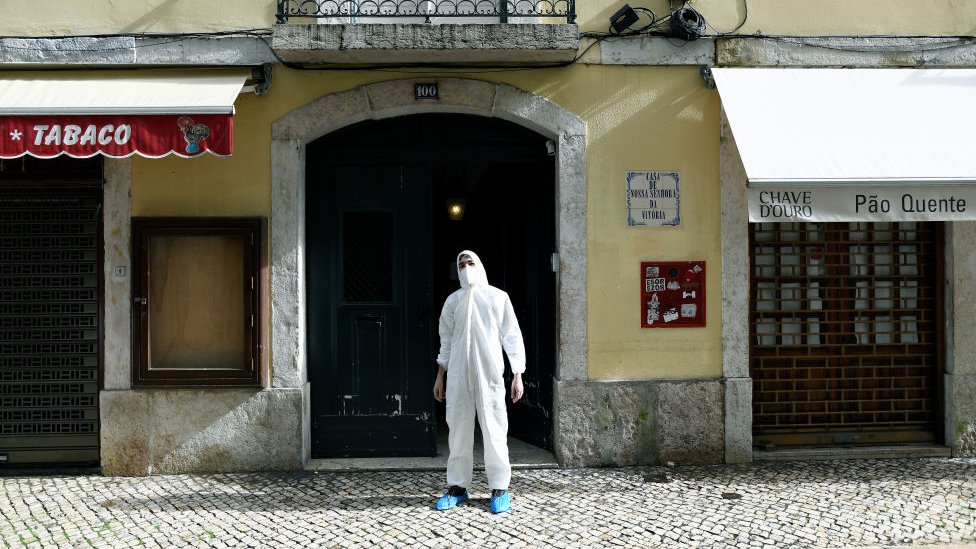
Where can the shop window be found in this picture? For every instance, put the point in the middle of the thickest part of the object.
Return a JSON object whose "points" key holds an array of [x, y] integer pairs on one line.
{"points": [[197, 297], [817, 284]]}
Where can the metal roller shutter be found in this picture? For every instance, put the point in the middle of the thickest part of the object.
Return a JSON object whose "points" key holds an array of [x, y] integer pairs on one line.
{"points": [[49, 324], [845, 332]]}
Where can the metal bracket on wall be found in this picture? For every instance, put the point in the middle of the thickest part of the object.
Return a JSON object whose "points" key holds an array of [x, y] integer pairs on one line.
{"points": [[707, 78], [260, 81]]}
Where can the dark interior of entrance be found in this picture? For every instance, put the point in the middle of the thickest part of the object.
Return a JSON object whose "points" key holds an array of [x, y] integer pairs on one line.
{"points": [[380, 195]]}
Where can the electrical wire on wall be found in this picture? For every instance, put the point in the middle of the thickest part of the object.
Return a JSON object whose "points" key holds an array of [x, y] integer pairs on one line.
{"points": [[164, 38], [682, 22], [745, 17], [686, 23], [938, 43]]}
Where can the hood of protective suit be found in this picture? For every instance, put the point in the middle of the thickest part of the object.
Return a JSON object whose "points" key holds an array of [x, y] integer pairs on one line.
{"points": [[472, 275]]}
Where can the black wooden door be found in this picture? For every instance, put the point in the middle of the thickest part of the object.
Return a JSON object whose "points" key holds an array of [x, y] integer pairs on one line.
{"points": [[368, 282], [380, 245], [531, 242]]}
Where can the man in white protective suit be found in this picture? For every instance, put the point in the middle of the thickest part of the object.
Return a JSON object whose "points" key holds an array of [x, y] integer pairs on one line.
{"points": [[476, 323]]}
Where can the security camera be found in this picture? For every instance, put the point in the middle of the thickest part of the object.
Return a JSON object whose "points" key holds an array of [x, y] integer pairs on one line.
{"points": [[550, 147]]}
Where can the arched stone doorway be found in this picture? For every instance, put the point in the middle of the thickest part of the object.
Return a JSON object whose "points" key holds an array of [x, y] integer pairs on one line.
{"points": [[293, 132]]}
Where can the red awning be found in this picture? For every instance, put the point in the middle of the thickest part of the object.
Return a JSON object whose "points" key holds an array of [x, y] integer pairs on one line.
{"points": [[152, 116], [115, 136]]}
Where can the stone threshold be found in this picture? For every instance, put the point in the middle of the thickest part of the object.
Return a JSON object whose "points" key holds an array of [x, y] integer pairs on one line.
{"points": [[901, 451], [522, 455]]}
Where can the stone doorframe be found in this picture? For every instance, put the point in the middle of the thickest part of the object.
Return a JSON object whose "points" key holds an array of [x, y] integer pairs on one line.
{"points": [[289, 137], [735, 301]]}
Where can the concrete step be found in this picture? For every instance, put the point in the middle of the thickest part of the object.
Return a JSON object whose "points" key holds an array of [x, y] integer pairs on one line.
{"points": [[900, 451]]}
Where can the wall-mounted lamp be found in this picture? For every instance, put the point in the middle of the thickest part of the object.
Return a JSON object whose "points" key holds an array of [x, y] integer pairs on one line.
{"points": [[455, 209], [623, 18], [707, 78], [550, 147]]}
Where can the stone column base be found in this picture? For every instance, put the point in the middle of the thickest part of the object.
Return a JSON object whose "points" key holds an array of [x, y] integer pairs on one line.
{"points": [[174, 431], [620, 423], [960, 403]]}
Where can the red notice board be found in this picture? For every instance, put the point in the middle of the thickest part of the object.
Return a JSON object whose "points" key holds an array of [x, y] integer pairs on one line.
{"points": [[672, 294]]}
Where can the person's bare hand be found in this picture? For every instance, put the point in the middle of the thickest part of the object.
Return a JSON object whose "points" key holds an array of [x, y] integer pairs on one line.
{"points": [[439, 389], [517, 388]]}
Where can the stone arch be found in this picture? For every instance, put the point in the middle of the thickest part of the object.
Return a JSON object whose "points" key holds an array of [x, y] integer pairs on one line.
{"points": [[291, 133]]}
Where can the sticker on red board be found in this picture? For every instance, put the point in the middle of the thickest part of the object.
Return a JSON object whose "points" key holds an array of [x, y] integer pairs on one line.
{"points": [[672, 294]]}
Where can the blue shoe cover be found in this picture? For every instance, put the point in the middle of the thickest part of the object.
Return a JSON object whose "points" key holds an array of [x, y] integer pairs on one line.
{"points": [[447, 501], [501, 501]]}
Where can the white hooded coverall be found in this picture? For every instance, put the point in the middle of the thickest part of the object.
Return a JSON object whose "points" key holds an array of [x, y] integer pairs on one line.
{"points": [[476, 323]]}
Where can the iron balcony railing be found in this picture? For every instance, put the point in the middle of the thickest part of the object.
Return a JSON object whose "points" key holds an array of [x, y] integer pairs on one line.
{"points": [[505, 10]]}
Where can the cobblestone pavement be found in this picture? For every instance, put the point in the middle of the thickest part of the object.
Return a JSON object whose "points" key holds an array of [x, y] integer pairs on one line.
{"points": [[799, 504]]}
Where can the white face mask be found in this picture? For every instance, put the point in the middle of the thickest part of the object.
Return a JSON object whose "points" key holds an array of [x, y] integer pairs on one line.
{"points": [[468, 276]]}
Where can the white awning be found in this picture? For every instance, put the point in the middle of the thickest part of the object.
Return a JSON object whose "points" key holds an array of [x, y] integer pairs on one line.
{"points": [[854, 144], [873, 126], [27, 93]]}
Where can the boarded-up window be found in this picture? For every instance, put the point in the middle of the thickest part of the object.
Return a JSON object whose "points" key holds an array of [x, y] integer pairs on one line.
{"points": [[198, 301]]}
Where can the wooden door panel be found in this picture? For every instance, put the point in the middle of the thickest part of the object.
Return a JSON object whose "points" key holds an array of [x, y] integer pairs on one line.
{"points": [[365, 233]]}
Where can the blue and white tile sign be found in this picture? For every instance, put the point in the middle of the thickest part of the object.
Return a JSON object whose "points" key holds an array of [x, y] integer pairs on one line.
{"points": [[653, 199]]}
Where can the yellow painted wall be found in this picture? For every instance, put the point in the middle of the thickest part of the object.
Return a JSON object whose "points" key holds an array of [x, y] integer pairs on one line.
{"points": [[239, 185], [768, 17], [841, 17], [207, 185], [86, 17], [638, 118], [650, 119]]}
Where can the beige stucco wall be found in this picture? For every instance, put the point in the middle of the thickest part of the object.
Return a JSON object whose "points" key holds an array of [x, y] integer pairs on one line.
{"points": [[842, 18], [210, 185], [638, 118], [650, 119], [92, 17], [765, 17]]}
